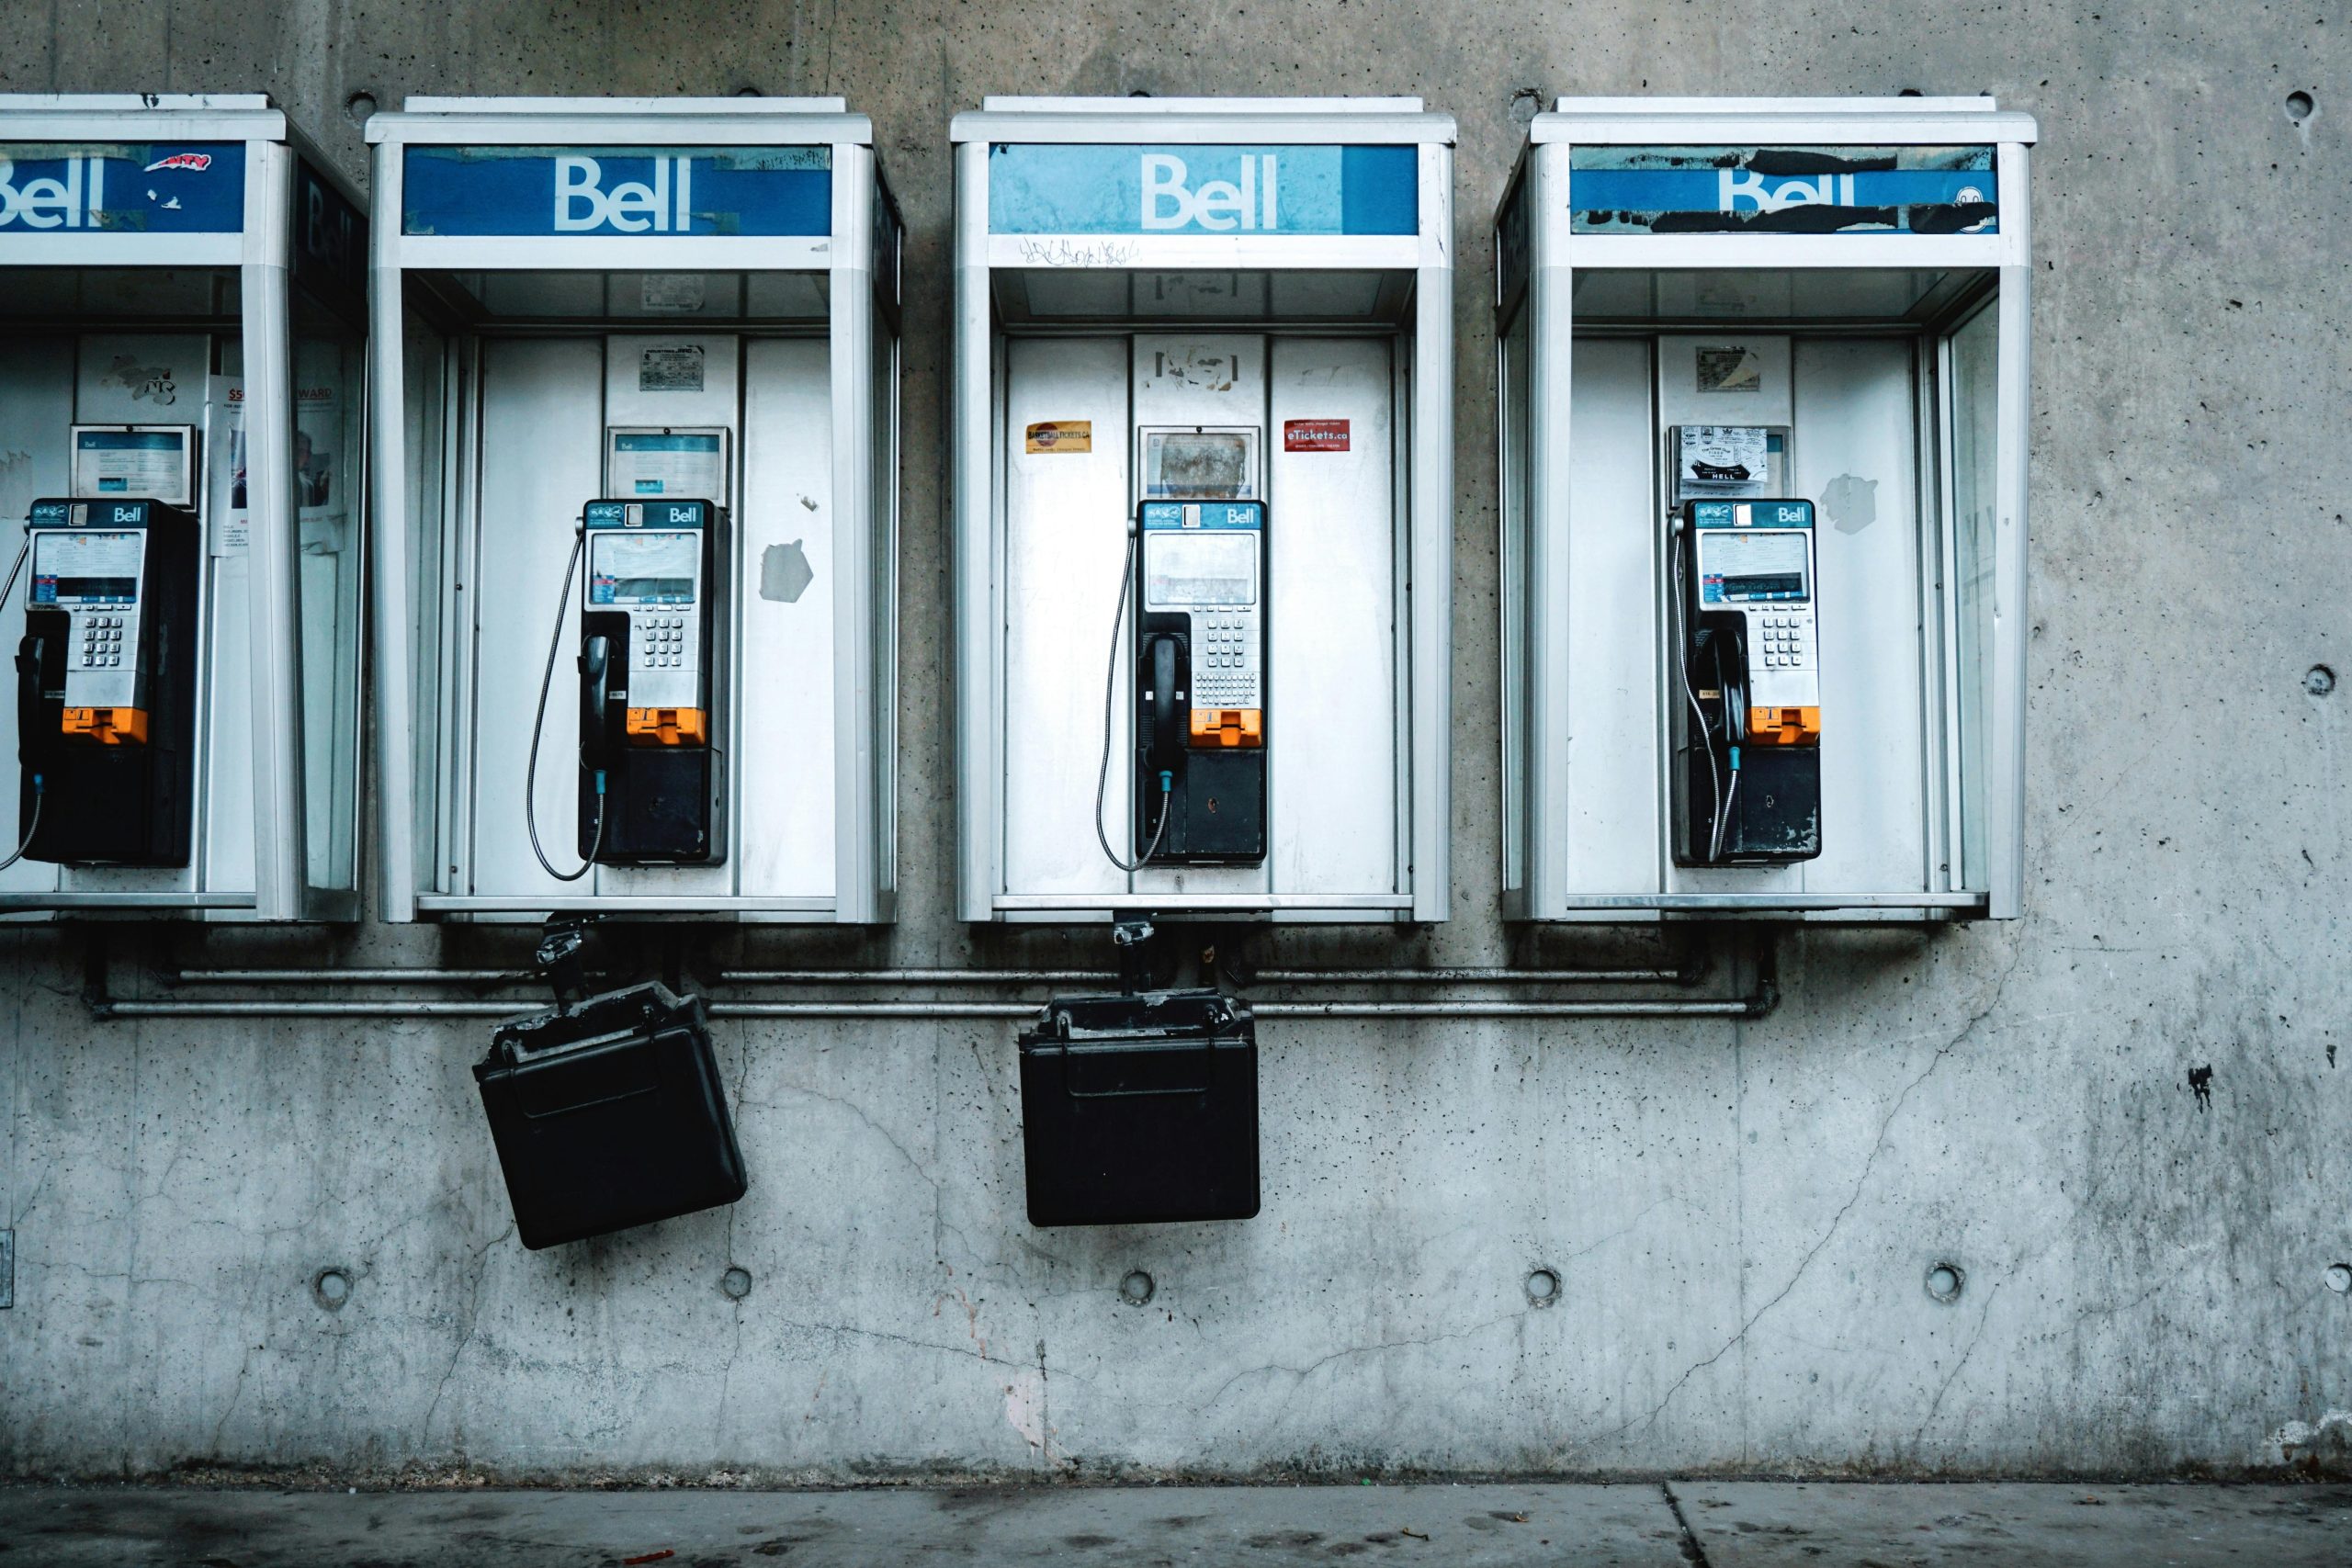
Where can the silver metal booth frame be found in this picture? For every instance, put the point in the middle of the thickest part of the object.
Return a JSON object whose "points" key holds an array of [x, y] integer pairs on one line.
{"points": [[1009, 758], [841, 269], [270, 273], [1587, 746]]}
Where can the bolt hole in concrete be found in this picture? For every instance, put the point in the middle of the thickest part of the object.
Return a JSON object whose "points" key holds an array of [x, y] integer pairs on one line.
{"points": [[332, 1287], [1136, 1288], [2300, 106], [2319, 680], [1944, 1282], [359, 106], [1542, 1287], [736, 1283], [2339, 1278]]}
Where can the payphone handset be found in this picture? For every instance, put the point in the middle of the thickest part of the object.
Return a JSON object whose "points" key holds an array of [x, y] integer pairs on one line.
{"points": [[652, 774], [1749, 790], [106, 679]]}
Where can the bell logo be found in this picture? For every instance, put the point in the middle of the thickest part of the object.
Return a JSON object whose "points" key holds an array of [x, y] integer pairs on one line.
{"points": [[632, 207], [49, 202], [1733, 187], [1169, 202]]}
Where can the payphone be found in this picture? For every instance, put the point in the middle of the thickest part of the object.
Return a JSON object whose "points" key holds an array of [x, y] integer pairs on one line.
{"points": [[106, 683], [689, 419], [1763, 409], [652, 762], [1200, 723], [1748, 789], [182, 340], [1203, 363]]}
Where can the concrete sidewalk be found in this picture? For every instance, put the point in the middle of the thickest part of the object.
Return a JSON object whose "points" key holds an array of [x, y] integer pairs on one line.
{"points": [[1723, 1525]]}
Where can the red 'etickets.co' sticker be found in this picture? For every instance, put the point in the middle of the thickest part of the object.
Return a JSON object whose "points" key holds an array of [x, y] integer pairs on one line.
{"points": [[1315, 436]]}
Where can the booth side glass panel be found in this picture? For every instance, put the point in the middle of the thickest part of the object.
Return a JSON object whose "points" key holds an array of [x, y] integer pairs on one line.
{"points": [[1972, 357], [328, 376]]}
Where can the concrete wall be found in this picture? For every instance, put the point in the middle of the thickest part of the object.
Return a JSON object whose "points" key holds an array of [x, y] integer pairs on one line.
{"points": [[1741, 1214]]}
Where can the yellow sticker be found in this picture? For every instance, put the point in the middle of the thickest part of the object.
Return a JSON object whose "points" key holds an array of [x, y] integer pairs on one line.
{"points": [[1062, 435]]}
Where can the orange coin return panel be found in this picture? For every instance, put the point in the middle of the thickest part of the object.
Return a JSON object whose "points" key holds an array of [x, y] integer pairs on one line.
{"points": [[107, 727], [668, 726], [1229, 726]]}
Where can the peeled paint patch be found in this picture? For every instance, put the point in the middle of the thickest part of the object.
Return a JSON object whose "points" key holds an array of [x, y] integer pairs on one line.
{"points": [[784, 573], [1851, 502], [2333, 1433], [1024, 1407]]}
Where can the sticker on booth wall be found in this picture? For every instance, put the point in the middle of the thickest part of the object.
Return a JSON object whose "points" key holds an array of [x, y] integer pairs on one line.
{"points": [[670, 367], [674, 293], [1062, 435], [1730, 370], [1315, 436]]}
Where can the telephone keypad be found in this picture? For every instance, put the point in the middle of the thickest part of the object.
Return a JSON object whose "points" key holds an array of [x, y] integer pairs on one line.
{"points": [[102, 642], [1784, 640], [1226, 660], [660, 643]]}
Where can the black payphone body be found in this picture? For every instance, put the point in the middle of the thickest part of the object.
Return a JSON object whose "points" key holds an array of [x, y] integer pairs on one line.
{"points": [[1748, 786], [654, 773], [106, 683], [1200, 691]]}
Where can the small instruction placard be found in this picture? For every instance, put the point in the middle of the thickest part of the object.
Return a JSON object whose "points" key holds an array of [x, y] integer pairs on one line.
{"points": [[1315, 436], [670, 367], [1062, 435], [1730, 369]]}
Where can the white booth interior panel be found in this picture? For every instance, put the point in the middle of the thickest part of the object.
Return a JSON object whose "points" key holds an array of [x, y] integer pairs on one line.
{"points": [[1857, 405], [226, 788], [542, 456], [1332, 594], [786, 740], [1614, 737], [35, 395], [1062, 585]]}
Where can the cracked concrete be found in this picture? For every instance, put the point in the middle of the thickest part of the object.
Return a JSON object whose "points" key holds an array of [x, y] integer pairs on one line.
{"points": [[1740, 1214]]}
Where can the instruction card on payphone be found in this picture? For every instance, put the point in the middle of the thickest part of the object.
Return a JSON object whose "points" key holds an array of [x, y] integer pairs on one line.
{"points": [[666, 462], [126, 460]]}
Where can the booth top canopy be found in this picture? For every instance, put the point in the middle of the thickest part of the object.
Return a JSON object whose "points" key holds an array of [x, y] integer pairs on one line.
{"points": [[1205, 120], [525, 120], [54, 117], [1782, 121], [71, 191]]}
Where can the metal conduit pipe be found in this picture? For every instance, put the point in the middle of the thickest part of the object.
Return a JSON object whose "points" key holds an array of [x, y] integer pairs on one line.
{"points": [[918, 976], [1680, 1007], [1388, 976], [352, 977], [1470, 976], [729, 976]]}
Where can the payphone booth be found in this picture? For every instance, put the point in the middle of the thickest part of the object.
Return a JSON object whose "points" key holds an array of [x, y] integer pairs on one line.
{"points": [[637, 426], [1762, 369], [182, 348], [1203, 474]]}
